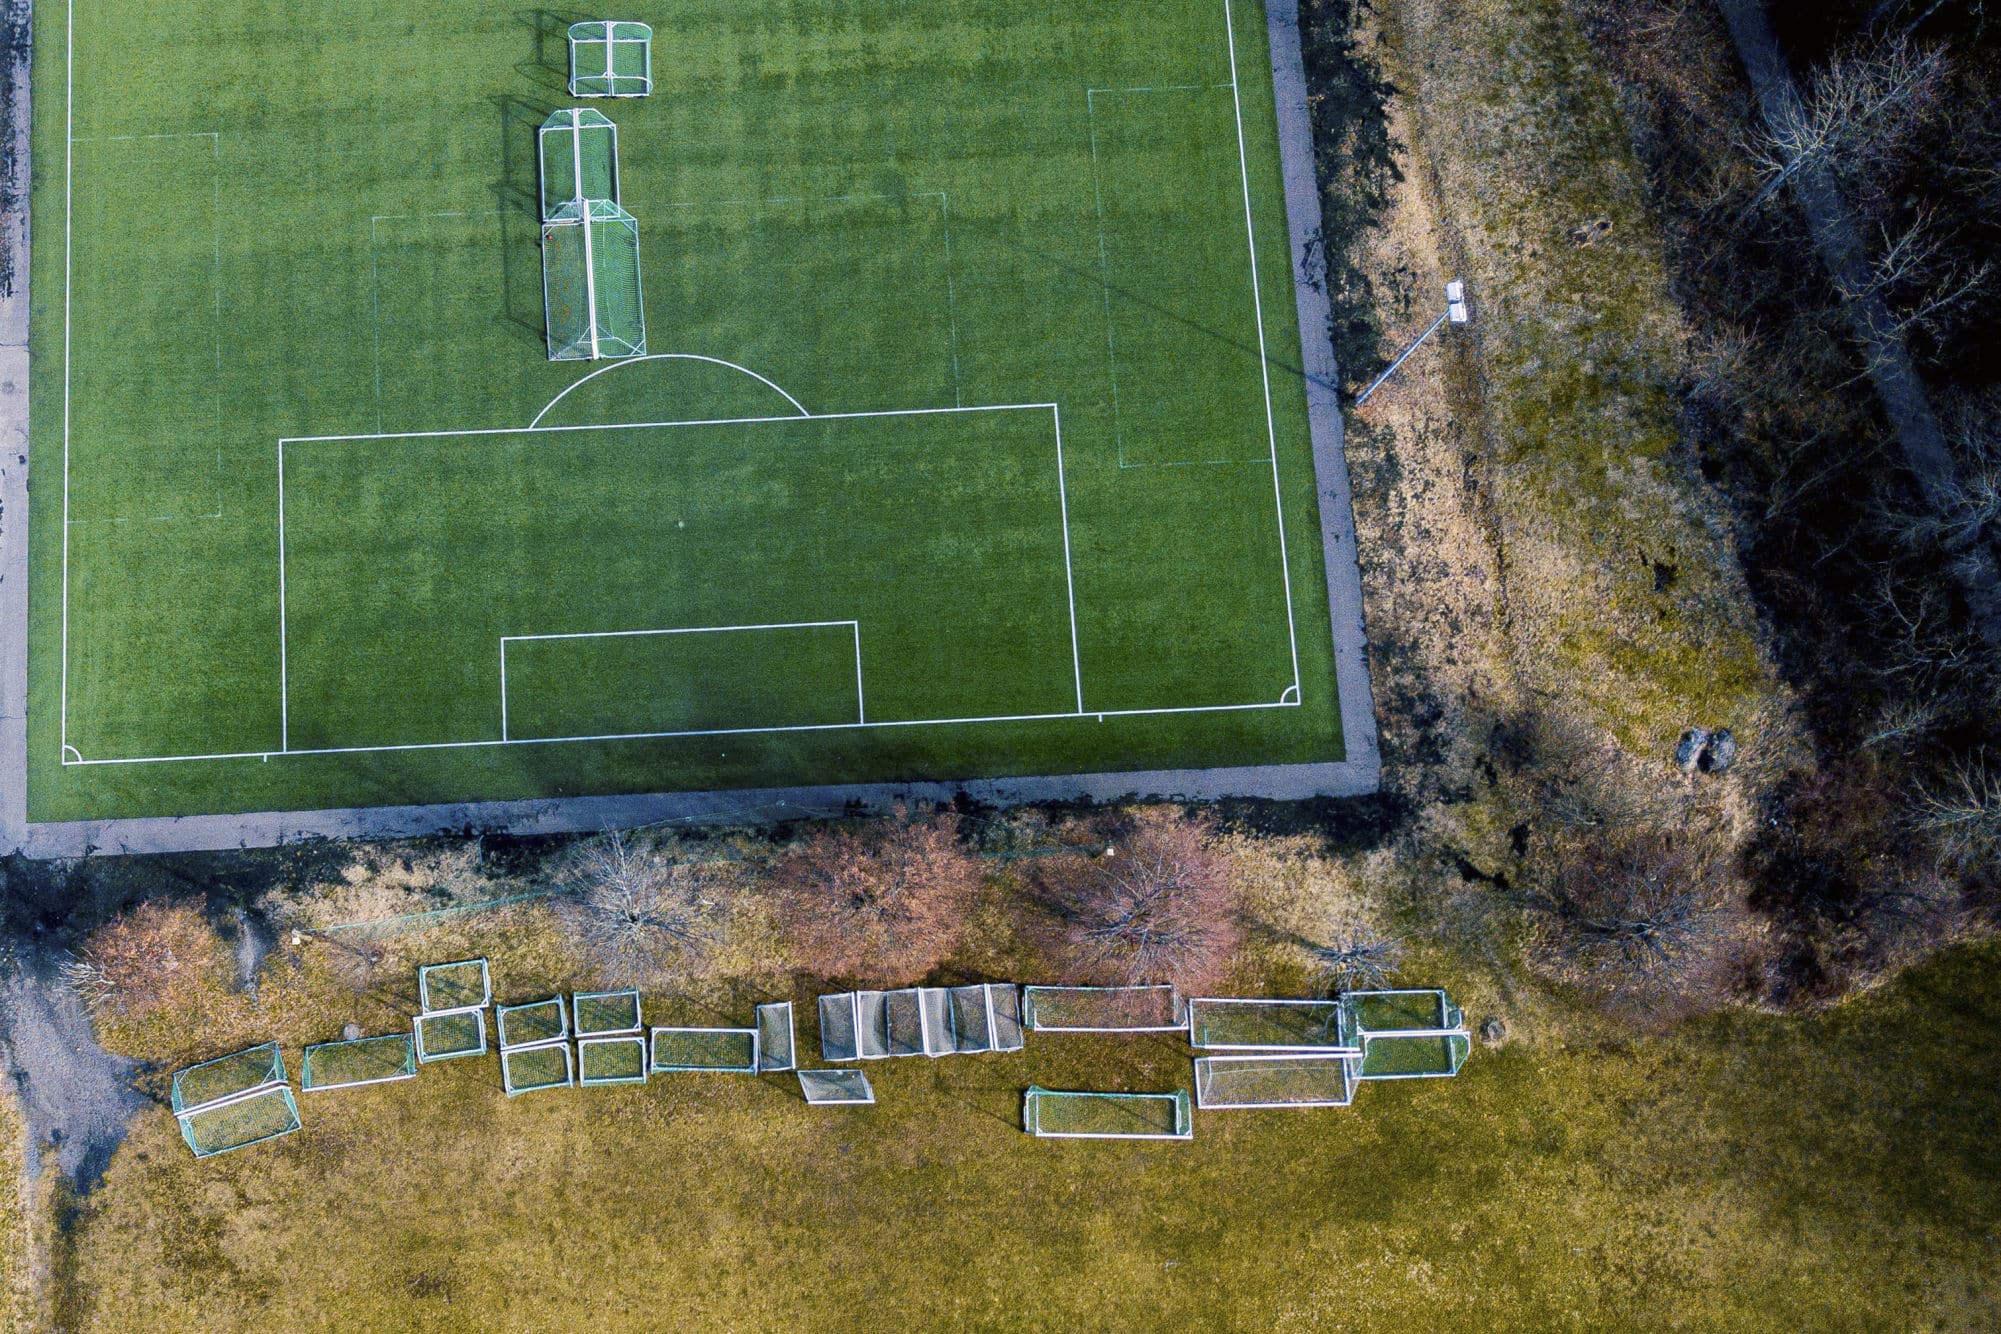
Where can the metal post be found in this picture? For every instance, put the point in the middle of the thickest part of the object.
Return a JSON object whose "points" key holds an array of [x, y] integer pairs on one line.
{"points": [[1455, 312]]}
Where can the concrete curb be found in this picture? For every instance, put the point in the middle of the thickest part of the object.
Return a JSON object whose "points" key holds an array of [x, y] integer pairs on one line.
{"points": [[1360, 773]]}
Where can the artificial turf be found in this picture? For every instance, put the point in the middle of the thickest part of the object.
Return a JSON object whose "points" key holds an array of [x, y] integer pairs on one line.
{"points": [[277, 224]]}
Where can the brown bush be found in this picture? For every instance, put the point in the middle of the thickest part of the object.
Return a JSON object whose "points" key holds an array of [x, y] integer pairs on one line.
{"points": [[1159, 906], [153, 958], [1644, 922], [883, 903]]}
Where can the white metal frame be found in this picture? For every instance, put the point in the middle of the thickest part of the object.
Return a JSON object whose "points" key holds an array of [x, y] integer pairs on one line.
{"points": [[1348, 1065], [306, 1062], [563, 1031], [836, 1003], [606, 30], [1029, 995], [577, 1020], [653, 1053], [528, 1048], [1343, 1041], [426, 1057], [615, 1039], [780, 1015], [841, 1076], [1184, 1122], [424, 986]]}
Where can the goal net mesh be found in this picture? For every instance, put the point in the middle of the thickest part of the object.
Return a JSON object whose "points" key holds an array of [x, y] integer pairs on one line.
{"points": [[1274, 1081], [723, 1050], [611, 59], [1270, 1025], [1148, 1009], [379, 1060], [234, 1101], [1061, 1114], [616, 1060], [592, 303]]}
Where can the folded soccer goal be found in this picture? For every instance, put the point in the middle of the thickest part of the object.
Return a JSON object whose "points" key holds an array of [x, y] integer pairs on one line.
{"points": [[1409, 1034], [592, 306], [1260, 1024], [1296, 1079], [1060, 1114], [234, 1101], [836, 1088], [609, 58], [342, 1065], [776, 1047], [1147, 1009], [716, 1050]]}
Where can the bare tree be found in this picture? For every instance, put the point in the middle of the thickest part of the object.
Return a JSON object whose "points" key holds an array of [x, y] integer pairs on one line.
{"points": [[1962, 810], [1159, 906], [884, 902], [1859, 111], [1357, 958], [634, 911]]}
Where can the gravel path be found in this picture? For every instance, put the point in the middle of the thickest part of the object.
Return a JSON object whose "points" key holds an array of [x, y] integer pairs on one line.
{"points": [[76, 1096], [1358, 774]]}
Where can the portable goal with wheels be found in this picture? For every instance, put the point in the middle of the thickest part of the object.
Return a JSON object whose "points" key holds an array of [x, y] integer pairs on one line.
{"points": [[1259, 1024], [1296, 1079], [1144, 1009], [1060, 1114], [836, 1088], [611, 58], [716, 1050], [234, 1101], [341, 1065]]}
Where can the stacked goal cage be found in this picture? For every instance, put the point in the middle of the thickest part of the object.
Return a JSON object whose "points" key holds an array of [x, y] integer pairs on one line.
{"points": [[534, 1039], [610, 58], [921, 1021], [1408, 1034], [611, 1042], [592, 301], [1264, 1052], [451, 1019], [234, 1101]]}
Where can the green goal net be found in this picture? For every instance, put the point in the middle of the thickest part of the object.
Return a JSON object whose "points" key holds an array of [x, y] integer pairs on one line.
{"points": [[720, 1050], [609, 58], [530, 1069], [611, 1060], [1063, 1114], [532, 1023], [604, 1013], [234, 1101], [445, 1037], [1260, 1024], [338, 1065], [463, 984], [591, 299]]}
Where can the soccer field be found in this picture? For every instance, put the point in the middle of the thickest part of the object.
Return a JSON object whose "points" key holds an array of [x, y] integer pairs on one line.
{"points": [[970, 440]]}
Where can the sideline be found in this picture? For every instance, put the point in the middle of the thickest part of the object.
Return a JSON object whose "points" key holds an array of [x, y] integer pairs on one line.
{"points": [[1358, 774]]}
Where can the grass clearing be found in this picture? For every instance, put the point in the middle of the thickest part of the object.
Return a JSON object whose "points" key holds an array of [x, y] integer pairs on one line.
{"points": [[923, 319], [1668, 1182]]}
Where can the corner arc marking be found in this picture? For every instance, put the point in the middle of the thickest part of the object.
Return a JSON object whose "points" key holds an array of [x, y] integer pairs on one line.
{"points": [[667, 356]]}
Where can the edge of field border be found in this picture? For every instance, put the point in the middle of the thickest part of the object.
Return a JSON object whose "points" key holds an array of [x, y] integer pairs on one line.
{"points": [[1359, 774]]}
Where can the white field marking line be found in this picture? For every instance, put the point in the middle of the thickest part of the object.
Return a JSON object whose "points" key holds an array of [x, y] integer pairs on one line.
{"points": [[1069, 577], [284, 661], [1100, 715], [860, 710], [69, 164], [951, 300], [1264, 359], [647, 426], [536, 424]]}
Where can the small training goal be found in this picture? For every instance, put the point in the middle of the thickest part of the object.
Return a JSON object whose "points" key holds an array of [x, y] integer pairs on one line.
{"points": [[1296, 1079], [1065, 1114], [234, 1101], [340, 1065], [714, 1050], [611, 58], [1138, 1009]]}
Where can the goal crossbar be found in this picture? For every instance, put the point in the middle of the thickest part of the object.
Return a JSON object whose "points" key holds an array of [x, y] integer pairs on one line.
{"points": [[1134, 1009], [1069, 1114]]}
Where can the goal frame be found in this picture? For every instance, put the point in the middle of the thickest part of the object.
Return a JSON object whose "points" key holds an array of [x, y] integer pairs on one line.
{"points": [[1346, 1065], [1034, 1096], [606, 32], [658, 1067], [1344, 1040], [407, 1070], [1177, 1008]]}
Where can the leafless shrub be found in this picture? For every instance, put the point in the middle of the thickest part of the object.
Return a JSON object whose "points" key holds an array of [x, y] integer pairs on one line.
{"points": [[1962, 811], [883, 902], [633, 910], [1357, 958], [152, 958], [1158, 906], [1641, 921]]}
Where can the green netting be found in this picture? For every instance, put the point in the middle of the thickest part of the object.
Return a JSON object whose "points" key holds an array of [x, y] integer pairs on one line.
{"points": [[1144, 1009], [532, 1022], [1403, 1011], [1270, 1025], [460, 985], [592, 302], [528, 1069], [227, 1076], [610, 59], [444, 1037], [619, 1060], [722, 1050], [605, 1012], [1427, 1056], [332, 1065], [579, 159], [1061, 1114], [239, 1124]]}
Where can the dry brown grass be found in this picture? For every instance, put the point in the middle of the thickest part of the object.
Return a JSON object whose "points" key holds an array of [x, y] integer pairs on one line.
{"points": [[18, 1206]]}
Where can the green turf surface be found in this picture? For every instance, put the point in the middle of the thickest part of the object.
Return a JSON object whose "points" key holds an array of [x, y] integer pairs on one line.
{"points": [[873, 208]]}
